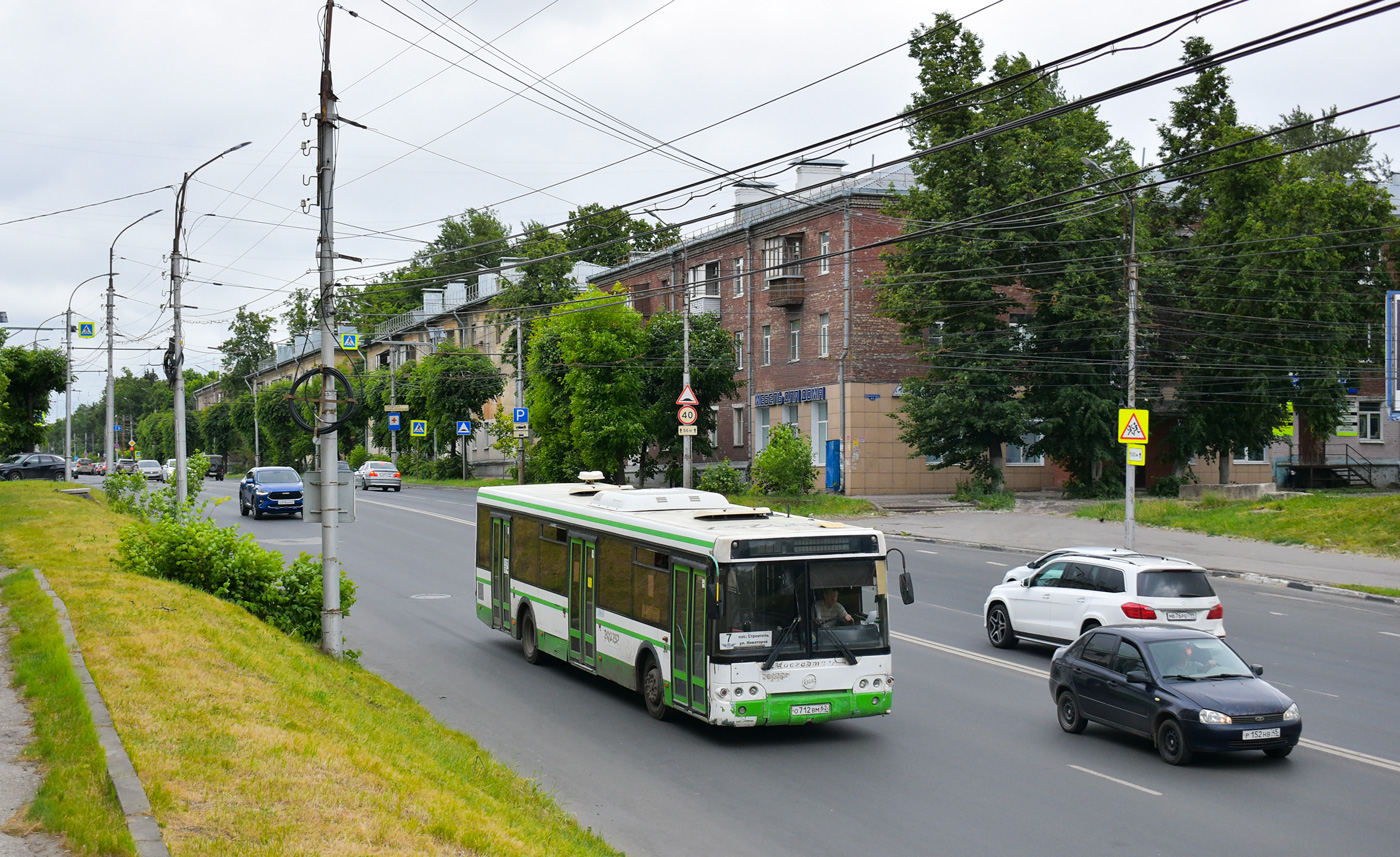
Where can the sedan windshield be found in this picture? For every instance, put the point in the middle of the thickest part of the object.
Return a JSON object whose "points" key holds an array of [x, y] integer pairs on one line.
{"points": [[278, 475], [146, 462], [1200, 659], [1174, 584], [827, 607]]}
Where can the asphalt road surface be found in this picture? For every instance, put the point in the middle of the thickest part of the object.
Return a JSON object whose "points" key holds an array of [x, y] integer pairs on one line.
{"points": [[971, 762]]}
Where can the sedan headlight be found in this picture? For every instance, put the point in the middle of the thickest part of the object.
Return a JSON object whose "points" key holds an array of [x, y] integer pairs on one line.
{"points": [[1215, 718], [260, 492], [1292, 712]]}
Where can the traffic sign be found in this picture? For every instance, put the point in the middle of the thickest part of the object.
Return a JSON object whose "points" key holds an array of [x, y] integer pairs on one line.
{"points": [[687, 415], [522, 430], [687, 397], [86, 329], [521, 415], [396, 408], [464, 427], [1137, 454], [1132, 425], [350, 341], [418, 428], [394, 422], [688, 430], [131, 444], [116, 428]]}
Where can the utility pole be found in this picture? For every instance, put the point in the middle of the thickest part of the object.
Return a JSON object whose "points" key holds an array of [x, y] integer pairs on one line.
{"points": [[330, 457], [520, 396], [687, 448], [68, 396], [111, 372], [257, 433], [393, 400]]}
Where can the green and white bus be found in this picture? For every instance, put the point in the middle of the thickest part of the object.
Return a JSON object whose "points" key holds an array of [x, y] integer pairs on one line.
{"points": [[727, 613]]}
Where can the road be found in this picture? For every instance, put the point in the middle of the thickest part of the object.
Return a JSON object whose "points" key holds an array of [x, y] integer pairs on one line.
{"points": [[971, 761]]}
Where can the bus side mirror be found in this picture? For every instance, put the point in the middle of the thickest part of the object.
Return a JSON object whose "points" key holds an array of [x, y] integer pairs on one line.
{"points": [[714, 606], [906, 587]]}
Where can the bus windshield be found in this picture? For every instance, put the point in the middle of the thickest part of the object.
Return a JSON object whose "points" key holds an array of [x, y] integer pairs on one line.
{"points": [[808, 608]]}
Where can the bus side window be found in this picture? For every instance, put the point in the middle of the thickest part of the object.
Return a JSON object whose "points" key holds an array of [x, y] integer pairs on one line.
{"points": [[554, 558]]}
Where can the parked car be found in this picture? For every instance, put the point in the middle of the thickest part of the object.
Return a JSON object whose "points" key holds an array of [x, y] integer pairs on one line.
{"points": [[33, 465], [1072, 594], [126, 465], [216, 468], [270, 491], [378, 474], [1184, 689], [167, 470], [151, 469]]}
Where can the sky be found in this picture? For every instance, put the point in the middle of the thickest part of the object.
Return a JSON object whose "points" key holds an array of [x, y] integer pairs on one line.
{"points": [[107, 106]]}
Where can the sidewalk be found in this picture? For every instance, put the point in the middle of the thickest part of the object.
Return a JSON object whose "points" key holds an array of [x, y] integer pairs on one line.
{"points": [[1038, 531]]}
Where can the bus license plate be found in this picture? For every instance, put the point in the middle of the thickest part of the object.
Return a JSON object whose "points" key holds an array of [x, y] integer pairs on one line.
{"points": [[285, 502], [1258, 734], [1173, 616], [823, 708]]}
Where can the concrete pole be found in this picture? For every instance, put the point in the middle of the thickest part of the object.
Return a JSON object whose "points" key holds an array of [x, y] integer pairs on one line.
{"points": [[520, 395], [687, 446], [1130, 486], [68, 396], [330, 456], [393, 400]]}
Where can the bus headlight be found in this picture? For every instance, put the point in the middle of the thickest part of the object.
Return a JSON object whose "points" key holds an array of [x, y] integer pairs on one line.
{"points": [[862, 684], [738, 691], [753, 690]]}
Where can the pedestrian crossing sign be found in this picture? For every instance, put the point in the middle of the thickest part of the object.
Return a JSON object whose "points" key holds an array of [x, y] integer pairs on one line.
{"points": [[86, 329], [418, 428], [350, 341], [464, 427], [1132, 425]]}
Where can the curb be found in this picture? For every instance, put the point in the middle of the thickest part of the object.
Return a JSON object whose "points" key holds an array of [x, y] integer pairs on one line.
{"points": [[131, 795], [1248, 576]]}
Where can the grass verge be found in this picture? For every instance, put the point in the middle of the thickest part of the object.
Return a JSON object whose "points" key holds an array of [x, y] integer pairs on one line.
{"points": [[75, 798], [1370, 590], [809, 505], [457, 483], [1342, 522], [250, 742]]}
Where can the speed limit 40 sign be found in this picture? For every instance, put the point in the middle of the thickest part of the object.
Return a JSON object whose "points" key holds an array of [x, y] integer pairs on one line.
{"points": [[688, 415]]}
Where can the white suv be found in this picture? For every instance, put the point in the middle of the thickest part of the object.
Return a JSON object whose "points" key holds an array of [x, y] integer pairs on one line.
{"points": [[1071, 594]]}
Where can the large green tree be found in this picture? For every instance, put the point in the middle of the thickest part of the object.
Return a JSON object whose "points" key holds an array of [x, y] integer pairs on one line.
{"points": [[30, 375], [608, 236], [712, 368], [250, 343]]}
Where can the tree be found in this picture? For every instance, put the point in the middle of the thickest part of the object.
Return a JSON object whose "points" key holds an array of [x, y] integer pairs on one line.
{"points": [[302, 315], [1353, 159], [31, 375], [592, 225], [250, 344], [712, 368], [1199, 119], [453, 384], [785, 464]]}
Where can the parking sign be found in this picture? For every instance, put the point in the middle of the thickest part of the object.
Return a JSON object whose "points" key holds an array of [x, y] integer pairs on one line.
{"points": [[522, 415]]}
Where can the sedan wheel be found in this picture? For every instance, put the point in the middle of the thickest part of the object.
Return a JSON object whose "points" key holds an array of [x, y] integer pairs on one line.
{"points": [[999, 630], [1171, 743], [1070, 719], [12, 476]]}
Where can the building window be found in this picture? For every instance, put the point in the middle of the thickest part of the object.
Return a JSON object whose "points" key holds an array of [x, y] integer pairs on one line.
{"points": [[1016, 453], [767, 331], [819, 425], [384, 359], [824, 335], [792, 418], [824, 244], [740, 426], [794, 341], [782, 257], [760, 443], [1368, 424], [739, 351], [1249, 456], [739, 277], [703, 281], [714, 427]]}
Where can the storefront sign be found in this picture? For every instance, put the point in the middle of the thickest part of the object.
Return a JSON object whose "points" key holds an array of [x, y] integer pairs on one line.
{"points": [[789, 397]]}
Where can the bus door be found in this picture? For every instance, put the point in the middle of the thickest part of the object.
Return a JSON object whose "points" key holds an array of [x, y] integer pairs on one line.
{"points": [[688, 639], [500, 573], [582, 566]]}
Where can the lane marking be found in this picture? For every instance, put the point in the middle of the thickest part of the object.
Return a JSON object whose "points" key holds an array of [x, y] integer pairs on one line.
{"points": [[1118, 781], [1002, 564], [1352, 755], [1389, 634], [419, 511], [1325, 603], [1276, 613], [950, 609], [1322, 693], [930, 553]]}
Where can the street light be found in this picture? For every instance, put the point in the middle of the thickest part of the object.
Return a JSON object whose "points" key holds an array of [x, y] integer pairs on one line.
{"points": [[109, 447], [1130, 477], [257, 434], [178, 357], [68, 381]]}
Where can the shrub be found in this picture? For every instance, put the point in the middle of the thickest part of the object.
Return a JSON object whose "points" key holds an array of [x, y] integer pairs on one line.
{"points": [[785, 464], [359, 455], [1167, 486], [984, 495], [129, 493], [723, 478], [295, 608]]}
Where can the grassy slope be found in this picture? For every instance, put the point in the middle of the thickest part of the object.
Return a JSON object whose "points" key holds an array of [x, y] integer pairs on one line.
{"points": [[251, 743], [1345, 522]]}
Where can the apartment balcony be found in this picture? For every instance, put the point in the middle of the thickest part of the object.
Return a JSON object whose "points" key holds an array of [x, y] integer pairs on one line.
{"points": [[786, 290]]}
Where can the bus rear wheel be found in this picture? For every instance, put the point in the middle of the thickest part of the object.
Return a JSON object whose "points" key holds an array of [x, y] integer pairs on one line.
{"points": [[529, 640], [654, 690]]}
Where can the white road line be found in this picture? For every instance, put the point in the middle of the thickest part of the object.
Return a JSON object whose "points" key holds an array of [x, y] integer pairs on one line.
{"points": [[1276, 613], [1325, 603], [419, 511], [1118, 781], [930, 553], [1389, 634], [1002, 564], [1353, 755], [1322, 693], [939, 607]]}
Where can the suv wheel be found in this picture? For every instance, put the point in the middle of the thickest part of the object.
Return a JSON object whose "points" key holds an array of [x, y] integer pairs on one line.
{"points": [[999, 630]]}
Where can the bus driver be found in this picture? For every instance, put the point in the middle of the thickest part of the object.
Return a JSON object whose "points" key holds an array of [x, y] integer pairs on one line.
{"points": [[830, 612]]}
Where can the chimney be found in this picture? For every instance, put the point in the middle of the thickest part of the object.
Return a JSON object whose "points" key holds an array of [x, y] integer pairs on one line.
{"points": [[812, 171], [748, 191], [432, 301]]}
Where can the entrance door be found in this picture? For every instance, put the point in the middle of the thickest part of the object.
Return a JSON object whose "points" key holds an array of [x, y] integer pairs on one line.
{"points": [[582, 565], [688, 639], [500, 573]]}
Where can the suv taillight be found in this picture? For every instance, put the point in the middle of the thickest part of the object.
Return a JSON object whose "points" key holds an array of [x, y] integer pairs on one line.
{"points": [[1216, 612], [1134, 610]]}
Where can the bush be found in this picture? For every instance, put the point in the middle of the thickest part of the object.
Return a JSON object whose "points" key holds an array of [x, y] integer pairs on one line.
{"points": [[723, 478], [359, 455], [295, 608], [984, 495], [1167, 486], [785, 464], [130, 494]]}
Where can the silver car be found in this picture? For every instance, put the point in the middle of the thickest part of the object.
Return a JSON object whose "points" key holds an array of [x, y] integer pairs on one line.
{"points": [[151, 469], [378, 474]]}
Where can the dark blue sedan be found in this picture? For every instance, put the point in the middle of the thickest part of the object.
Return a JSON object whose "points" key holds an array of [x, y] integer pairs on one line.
{"points": [[1186, 690], [270, 491]]}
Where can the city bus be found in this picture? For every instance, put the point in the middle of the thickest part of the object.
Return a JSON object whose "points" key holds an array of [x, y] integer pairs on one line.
{"points": [[730, 614]]}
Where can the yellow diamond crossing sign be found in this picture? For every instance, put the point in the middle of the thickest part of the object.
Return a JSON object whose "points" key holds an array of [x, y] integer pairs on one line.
{"points": [[1132, 425]]}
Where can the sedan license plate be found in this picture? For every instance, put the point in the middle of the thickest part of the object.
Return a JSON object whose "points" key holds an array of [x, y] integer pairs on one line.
{"points": [[1180, 616], [1258, 734], [800, 710], [285, 502]]}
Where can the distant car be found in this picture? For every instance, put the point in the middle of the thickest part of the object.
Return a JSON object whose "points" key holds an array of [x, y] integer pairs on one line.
{"points": [[1072, 594], [378, 474], [33, 465], [126, 465], [216, 468], [270, 491], [1184, 689], [99, 468], [167, 470], [151, 469], [84, 467]]}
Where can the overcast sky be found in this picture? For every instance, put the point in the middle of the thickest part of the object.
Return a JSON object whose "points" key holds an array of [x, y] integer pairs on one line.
{"points": [[110, 99]]}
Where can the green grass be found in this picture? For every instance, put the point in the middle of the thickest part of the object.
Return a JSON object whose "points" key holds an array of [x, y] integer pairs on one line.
{"points": [[75, 798], [1342, 522], [809, 505], [249, 742], [457, 483], [1372, 590]]}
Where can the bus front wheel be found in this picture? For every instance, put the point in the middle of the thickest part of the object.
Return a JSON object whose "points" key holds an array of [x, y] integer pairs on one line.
{"points": [[529, 640], [654, 691]]}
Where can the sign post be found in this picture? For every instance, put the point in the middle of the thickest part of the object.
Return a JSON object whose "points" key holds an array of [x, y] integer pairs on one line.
{"points": [[1132, 431], [1392, 355]]}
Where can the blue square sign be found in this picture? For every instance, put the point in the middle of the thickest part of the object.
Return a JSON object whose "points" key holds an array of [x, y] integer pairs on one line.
{"points": [[350, 341], [464, 427], [394, 422], [522, 415], [87, 329]]}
